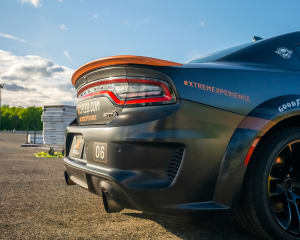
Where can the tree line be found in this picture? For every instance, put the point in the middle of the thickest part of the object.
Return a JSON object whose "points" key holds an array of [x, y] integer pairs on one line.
{"points": [[21, 118]]}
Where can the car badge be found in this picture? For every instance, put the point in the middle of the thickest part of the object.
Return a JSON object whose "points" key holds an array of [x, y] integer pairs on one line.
{"points": [[284, 52], [112, 114]]}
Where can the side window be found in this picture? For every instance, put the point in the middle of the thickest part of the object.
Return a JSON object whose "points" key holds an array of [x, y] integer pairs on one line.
{"points": [[297, 51]]}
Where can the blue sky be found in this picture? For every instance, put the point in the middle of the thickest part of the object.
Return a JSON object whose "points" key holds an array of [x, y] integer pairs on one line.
{"points": [[69, 33]]}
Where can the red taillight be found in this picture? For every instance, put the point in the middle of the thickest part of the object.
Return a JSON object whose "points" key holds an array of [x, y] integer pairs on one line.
{"points": [[130, 91]]}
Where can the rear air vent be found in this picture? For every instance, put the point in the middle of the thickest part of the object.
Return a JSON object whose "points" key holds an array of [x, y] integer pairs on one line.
{"points": [[174, 164]]}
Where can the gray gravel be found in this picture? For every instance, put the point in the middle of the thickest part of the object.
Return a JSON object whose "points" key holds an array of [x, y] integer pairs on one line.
{"points": [[35, 203]]}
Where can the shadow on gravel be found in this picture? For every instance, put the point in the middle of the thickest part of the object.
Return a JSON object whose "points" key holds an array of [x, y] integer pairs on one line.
{"points": [[205, 226]]}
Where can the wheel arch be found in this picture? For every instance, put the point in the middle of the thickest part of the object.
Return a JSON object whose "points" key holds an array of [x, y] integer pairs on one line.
{"points": [[286, 121], [248, 137]]}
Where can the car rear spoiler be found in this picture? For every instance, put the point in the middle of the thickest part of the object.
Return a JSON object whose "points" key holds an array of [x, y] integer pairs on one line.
{"points": [[117, 60]]}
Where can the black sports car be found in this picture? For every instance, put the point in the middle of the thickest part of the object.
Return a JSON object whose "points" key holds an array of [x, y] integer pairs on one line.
{"points": [[218, 133]]}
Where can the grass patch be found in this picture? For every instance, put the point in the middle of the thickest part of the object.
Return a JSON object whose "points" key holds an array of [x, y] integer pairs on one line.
{"points": [[47, 155]]}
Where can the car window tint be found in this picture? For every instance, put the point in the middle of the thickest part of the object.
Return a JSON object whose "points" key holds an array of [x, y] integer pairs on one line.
{"points": [[220, 54], [297, 51]]}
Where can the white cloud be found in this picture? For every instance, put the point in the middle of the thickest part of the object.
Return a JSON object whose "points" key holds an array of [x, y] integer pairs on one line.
{"points": [[8, 36], [96, 16], [33, 80], [63, 27], [126, 22], [35, 3], [67, 55], [202, 24], [148, 19], [60, 1]]}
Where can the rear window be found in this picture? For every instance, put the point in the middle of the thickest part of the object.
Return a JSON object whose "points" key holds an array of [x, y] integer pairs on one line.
{"points": [[220, 54], [297, 51]]}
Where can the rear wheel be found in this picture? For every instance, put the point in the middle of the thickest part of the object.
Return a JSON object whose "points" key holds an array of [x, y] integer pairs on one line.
{"points": [[270, 204]]}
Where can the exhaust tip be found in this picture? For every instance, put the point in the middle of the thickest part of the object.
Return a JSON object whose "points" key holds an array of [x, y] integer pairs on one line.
{"points": [[110, 205], [68, 181]]}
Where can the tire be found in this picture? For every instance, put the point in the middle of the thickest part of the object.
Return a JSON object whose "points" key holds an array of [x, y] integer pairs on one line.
{"points": [[255, 212]]}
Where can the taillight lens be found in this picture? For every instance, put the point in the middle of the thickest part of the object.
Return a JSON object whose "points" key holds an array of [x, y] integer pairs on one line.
{"points": [[130, 91]]}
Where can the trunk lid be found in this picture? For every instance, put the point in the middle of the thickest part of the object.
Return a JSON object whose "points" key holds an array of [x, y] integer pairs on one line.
{"points": [[106, 85]]}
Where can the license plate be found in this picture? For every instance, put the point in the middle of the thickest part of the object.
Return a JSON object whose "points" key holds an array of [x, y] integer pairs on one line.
{"points": [[100, 152], [77, 146]]}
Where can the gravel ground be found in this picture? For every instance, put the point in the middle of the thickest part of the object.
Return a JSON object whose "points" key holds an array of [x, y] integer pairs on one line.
{"points": [[35, 203]]}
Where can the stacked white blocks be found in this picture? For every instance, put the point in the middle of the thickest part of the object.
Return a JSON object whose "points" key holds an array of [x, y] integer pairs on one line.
{"points": [[55, 119]]}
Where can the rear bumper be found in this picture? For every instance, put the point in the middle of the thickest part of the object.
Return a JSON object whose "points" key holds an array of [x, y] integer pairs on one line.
{"points": [[97, 180], [162, 159]]}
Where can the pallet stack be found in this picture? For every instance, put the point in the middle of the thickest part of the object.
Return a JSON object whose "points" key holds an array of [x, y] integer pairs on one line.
{"points": [[55, 119]]}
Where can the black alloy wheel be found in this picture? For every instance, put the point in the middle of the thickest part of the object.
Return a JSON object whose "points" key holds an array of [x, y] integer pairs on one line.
{"points": [[284, 188], [270, 202]]}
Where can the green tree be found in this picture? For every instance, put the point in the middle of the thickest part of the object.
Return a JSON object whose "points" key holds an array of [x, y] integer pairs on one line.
{"points": [[20, 118]]}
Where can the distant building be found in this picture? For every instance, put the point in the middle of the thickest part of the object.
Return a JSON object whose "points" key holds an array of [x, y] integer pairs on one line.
{"points": [[55, 119]]}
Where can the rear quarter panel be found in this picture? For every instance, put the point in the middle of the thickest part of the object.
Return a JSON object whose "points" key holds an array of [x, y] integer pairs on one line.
{"points": [[263, 95], [233, 87]]}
